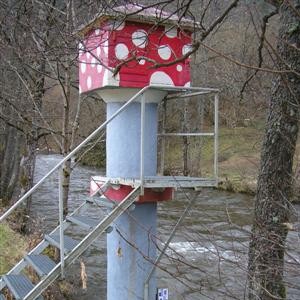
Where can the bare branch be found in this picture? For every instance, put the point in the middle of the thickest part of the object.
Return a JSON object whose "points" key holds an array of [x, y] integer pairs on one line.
{"points": [[219, 20], [259, 49]]}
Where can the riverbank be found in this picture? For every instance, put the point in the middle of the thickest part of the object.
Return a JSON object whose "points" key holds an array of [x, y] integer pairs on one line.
{"points": [[239, 158], [13, 246]]}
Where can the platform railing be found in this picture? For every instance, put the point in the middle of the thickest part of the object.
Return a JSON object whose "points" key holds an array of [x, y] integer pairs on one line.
{"points": [[214, 134], [60, 165]]}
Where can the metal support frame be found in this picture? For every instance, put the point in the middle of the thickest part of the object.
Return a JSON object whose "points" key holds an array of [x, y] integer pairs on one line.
{"points": [[166, 245], [139, 189], [187, 134], [167, 88], [213, 134], [61, 221], [216, 135], [85, 243], [142, 163]]}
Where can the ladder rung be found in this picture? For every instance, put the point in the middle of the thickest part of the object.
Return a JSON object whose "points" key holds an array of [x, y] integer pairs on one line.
{"points": [[19, 285], [41, 263], [69, 243]]}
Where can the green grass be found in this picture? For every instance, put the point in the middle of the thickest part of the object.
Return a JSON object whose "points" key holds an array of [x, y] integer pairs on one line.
{"points": [[94, 157], [12, 248], [239, 152]]}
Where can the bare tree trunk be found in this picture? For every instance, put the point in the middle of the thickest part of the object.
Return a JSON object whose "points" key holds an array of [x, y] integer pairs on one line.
{"points": [[66, 141], [272, 205], [27, 175], [65, 125], [15, 171], [10, 154]]}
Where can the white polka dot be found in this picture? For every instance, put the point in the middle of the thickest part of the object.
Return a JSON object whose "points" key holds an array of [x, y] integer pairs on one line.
{"points": [[179, 68], [88, 55], [142, 62], [109, 79], [139, 38], [186, 49], [160, 77], [81, 48], [105, 47], [99, 68], [171, 32], [98, 51], [83, 67], [164, 52], [89, 82], [188, 84], [121, 51], [93, 62]]}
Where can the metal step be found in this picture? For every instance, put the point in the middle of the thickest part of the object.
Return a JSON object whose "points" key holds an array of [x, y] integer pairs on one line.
{"points": [[102, 201], [19, 285], [42, 264], [83, 221], [69, 243], [86, 222], [82, 245]]}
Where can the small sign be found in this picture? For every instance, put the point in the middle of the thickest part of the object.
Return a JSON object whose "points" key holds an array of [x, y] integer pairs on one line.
{"points": [[162, 294]]}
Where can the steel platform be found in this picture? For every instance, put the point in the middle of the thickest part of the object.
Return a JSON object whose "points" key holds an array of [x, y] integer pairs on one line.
{"points": [[176, 182]]}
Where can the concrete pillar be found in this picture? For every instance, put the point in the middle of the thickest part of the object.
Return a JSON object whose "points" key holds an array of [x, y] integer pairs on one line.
{"points": [[130, 247]]}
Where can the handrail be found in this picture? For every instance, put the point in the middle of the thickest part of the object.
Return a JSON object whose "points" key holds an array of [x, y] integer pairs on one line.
{"points": [[71, 154], [94, 133]]}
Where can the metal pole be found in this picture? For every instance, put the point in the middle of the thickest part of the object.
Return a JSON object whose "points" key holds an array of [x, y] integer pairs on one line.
{"points": [[163, 140], [142, 142], [216, 139], [187, 134], [146, 285], [61, 226]]}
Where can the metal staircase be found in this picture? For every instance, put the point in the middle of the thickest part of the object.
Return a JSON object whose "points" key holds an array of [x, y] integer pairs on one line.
{"points": [[47, 270], [17, 281]]}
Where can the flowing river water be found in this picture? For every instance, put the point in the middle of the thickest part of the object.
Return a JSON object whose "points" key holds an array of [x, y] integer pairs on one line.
{"points": [[207, 259]]}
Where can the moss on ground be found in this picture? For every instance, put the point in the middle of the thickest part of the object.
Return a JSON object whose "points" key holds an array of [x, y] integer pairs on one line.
{"points": [[12, 247], [95, 157]]}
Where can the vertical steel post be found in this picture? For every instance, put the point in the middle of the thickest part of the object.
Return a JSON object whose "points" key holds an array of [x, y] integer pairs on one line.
{"points": [[167, 243], [163, 138], [142, 143], [216, 136], [61, 221]]}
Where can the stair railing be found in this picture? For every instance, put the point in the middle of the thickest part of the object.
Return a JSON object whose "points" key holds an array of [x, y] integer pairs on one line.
{"points": [[90, 137], [71, 154], [60, 166]]}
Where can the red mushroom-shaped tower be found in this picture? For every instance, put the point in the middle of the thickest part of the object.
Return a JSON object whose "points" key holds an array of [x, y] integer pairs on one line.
{"points": [[134, 50], [120, 53]]}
